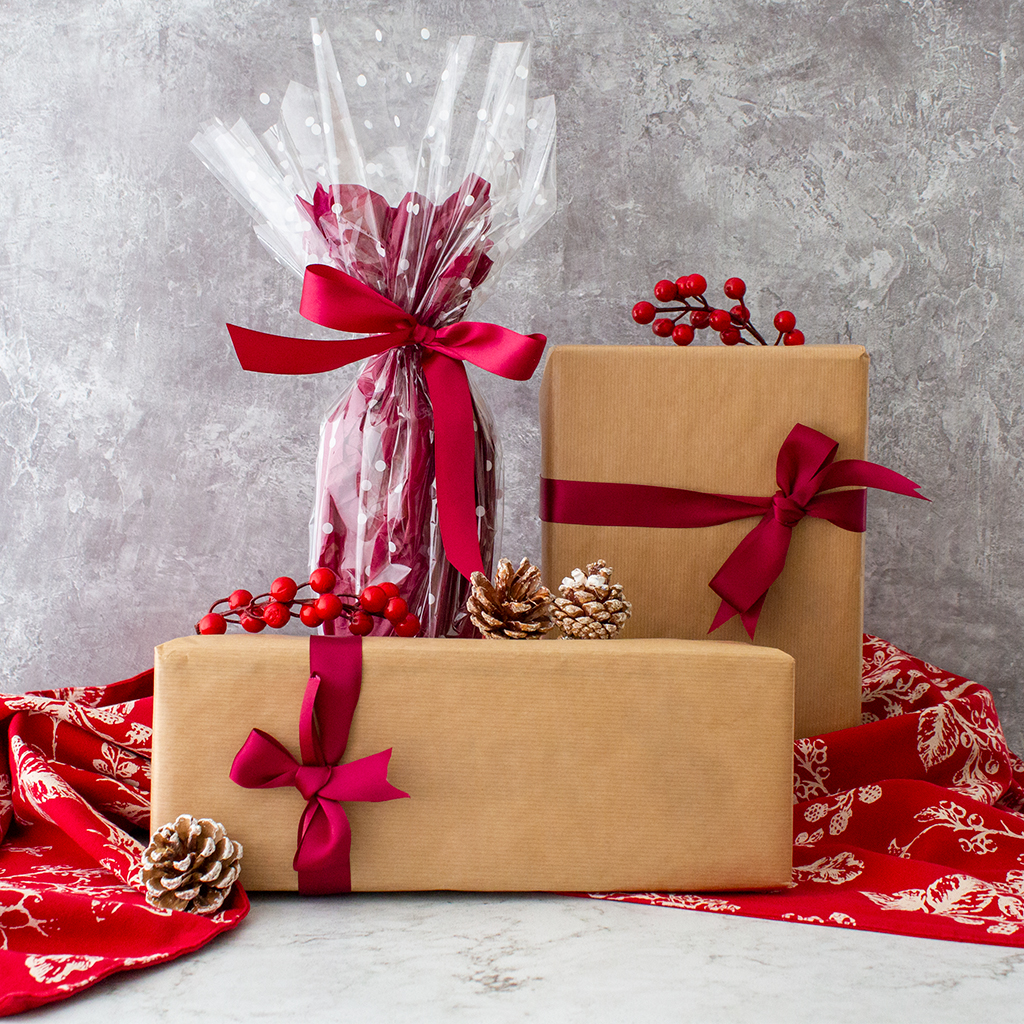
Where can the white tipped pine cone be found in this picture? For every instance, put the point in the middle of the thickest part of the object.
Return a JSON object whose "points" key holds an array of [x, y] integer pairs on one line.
{"points": [[516, 606], [591, 608], [190, 864]]}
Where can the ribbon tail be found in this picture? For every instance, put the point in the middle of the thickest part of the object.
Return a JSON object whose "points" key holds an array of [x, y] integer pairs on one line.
{"points": [[274, 353], [454, 461], [323, 849]]}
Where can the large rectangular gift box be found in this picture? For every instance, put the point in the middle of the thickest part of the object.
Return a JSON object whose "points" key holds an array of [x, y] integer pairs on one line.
{"points": [[713, 420], [571, 765]]}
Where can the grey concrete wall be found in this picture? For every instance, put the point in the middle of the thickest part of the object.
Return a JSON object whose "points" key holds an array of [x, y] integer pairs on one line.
{"points": [[858, 163]]}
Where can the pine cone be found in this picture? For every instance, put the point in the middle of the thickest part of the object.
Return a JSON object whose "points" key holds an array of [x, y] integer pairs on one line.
{"points": [[591, 608], [516, 606], [190, 864]]}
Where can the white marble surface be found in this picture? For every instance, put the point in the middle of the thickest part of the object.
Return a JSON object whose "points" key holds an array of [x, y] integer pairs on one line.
{"points": [[423, 957]]}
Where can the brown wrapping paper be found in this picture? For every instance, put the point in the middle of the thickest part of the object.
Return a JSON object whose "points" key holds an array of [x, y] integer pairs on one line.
{"points": [[583, 766], [713, 419]]}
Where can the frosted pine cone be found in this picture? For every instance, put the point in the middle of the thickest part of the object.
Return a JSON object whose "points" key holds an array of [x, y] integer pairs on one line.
{"points": [[190, 864], [516, 606], [591, 608]]}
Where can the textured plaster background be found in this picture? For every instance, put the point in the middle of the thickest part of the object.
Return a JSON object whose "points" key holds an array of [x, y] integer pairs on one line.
{"points": [[858, 163]]}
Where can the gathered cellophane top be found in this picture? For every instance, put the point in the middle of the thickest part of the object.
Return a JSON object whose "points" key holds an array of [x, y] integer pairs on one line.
{"points": [[422, 184]]}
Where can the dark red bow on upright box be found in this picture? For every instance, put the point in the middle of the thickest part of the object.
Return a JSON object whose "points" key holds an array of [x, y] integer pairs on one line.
{"points": [[807, 477], [334, 299], [325, 837]]}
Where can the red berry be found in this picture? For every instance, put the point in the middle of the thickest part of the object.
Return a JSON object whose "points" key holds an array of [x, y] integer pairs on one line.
{"points": [[793, 338], [735, 288], [373, 599], [283, 589], [696, 284], [211, 624], [251, 624], [683, 334], [643, 312], [720, 320], [239, 599], [361, 624], [328, 606], [396, 610], [784, 320], [409, 626], [683, 287], [700, 318], [309, 617], [389, 588], [663, 327], [665, 291], [730, 336], [322, 580], [740, 314], [276, 614]]}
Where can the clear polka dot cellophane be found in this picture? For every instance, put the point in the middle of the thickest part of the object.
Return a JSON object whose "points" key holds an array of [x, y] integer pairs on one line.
{"points": [[426, 210]]}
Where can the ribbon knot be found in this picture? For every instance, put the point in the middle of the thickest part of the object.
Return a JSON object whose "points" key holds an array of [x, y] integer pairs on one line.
{"points": [[334, 299], [804, 470], [422, 334], [786, 510], [324, 840], [311, 778]]}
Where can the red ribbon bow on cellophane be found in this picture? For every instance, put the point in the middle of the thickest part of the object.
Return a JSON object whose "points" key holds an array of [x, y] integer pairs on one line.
{"points": [[337, 300]]}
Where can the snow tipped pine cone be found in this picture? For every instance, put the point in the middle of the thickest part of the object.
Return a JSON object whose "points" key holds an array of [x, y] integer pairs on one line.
{"points": [[190, 864], [516, 606], [591, 608]]}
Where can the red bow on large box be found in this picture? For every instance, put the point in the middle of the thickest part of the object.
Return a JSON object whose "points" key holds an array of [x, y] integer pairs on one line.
{"points": [[804, 469], [324, 842], [334, 299]]}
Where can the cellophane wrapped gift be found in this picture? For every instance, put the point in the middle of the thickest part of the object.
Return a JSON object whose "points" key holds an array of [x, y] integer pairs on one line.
{"points": [[426, 207]]}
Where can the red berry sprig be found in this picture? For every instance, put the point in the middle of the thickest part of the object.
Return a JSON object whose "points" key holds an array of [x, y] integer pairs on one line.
{"points": [[276, 607], [694, 313]]}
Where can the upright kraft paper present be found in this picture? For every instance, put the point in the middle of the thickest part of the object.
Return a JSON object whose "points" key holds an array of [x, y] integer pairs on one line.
{"points": [[713, 420], [585, 766]]}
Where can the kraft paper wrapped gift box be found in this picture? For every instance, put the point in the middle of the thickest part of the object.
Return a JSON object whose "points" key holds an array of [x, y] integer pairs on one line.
{"points": [[713, 419], [584, 766]]}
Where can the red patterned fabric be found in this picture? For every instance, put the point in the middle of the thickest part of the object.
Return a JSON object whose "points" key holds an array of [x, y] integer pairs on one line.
{"points": [[910, 823], [74, 815]]}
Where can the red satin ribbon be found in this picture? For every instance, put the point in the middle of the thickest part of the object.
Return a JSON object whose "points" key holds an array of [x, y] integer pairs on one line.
{"points": [[334, 299], [804, 468], [324, 842]]}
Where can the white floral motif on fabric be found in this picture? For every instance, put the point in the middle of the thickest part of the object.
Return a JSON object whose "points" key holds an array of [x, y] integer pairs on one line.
{"points": [[56, 967], [841, 810], [999, 907], [810, 772], [971, 831], [949, 729], [835, 870]]}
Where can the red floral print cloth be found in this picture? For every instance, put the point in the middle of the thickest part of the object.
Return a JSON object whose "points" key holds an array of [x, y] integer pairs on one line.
{"points": [[910, 823], [74, 816]]}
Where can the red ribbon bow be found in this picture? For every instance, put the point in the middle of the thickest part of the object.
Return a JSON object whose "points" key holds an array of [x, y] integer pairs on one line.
{"points": [[804, 468], [324, 841], [334, 299]]}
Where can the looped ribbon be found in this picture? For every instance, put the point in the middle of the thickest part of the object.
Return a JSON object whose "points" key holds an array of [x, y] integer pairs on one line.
{"points": [[334, 299], [323, 848], [804, 469]]}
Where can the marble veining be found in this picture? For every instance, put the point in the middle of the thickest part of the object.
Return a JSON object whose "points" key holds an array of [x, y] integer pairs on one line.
{"points": [[503, 959]]}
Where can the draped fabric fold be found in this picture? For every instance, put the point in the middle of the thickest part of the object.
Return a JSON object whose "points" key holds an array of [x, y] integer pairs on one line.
{"points": [[334, 299], [805, 468], [324, 842]]}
